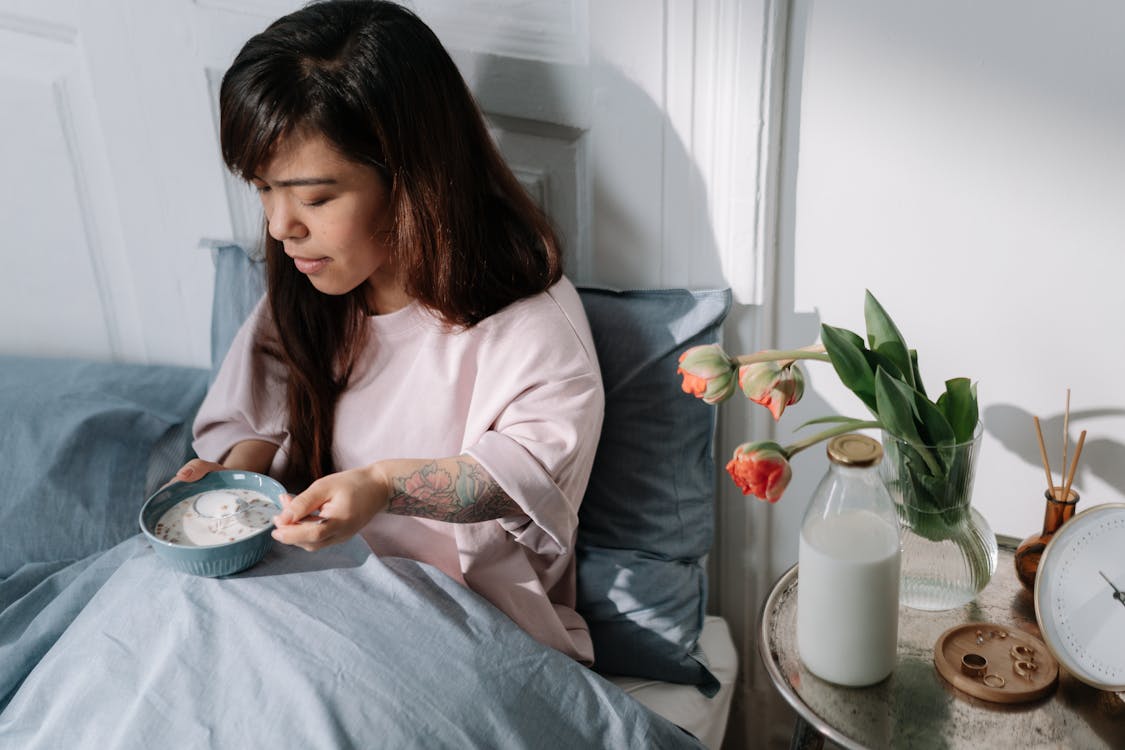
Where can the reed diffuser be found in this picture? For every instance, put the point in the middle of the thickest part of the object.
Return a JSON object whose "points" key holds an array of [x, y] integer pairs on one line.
{"points": [[1061, 501]]}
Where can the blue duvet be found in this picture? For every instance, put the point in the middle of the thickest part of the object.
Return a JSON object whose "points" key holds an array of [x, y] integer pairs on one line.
{"points": [[334, 649]]}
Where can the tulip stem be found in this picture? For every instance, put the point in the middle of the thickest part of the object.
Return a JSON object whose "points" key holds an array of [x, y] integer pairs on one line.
{"points": [[785, 357], [841, 429]]}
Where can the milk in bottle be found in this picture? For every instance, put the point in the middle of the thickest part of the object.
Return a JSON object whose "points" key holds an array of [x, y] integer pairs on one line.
{"points": [[848, 570]]}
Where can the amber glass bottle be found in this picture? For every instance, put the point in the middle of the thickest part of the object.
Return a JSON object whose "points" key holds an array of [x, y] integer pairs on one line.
{"points": [[1031, 549]]}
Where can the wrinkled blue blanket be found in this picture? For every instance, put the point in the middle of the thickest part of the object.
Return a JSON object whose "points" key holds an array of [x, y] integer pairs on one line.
{"points": [[335, 649]]}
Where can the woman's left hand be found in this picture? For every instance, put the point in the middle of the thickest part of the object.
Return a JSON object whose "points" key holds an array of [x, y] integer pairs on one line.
{"points": [[332, 509]]}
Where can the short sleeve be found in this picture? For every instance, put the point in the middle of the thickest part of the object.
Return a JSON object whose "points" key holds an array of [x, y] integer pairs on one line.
{"points": [[247, 399], [539, 392]]}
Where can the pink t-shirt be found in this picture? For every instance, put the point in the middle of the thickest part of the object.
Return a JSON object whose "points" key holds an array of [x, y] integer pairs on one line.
{"points": [[520, 391]]}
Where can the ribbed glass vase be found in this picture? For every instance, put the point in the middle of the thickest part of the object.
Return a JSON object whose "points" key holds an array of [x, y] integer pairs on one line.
{"points": [[949, 551]]}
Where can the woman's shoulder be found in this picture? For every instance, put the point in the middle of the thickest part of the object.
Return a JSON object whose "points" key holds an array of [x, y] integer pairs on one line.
{"points": [[558, 306], [553, 318]]}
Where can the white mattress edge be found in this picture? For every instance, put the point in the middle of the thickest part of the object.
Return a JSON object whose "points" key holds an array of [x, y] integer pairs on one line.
{"points": [[684, 705]]}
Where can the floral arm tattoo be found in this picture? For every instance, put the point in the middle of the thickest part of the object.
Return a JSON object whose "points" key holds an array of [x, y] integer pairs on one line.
{"points": [[432, 491]]}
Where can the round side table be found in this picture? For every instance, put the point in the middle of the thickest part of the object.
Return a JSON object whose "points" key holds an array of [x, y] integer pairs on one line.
{"points": [[915, 707]]}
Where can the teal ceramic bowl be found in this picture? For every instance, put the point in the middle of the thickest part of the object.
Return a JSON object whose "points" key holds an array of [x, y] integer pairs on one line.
{"points": [[217, 559]]}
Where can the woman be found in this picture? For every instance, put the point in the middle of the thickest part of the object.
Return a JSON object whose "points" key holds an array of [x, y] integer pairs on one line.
{"points": [[419, 363]]}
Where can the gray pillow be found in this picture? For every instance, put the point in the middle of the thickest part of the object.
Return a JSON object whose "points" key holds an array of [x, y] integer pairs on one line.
{"points": [[239, 283], [84, 443], [647, 519]]}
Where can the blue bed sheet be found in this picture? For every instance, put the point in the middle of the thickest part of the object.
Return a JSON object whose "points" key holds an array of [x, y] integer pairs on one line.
{"points": [[334, 649]]}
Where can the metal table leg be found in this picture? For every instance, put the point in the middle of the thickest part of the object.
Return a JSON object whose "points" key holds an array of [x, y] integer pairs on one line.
{"points": [[805, 737]]}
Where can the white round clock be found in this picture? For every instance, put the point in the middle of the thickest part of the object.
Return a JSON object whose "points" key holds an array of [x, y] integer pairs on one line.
{"points": [[1080, 596]]}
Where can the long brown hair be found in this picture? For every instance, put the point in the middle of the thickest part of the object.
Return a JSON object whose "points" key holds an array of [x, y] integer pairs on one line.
{"points": [[466, 239]]}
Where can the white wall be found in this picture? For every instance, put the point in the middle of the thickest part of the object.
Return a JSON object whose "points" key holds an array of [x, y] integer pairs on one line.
{"points": [[966, 162]]}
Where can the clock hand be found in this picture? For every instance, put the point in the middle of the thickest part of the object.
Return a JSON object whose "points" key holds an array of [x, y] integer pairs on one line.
{"points": [[1118, 594]]}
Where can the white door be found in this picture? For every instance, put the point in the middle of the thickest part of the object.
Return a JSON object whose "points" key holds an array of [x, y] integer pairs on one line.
{"points": [[108, 120], [646, 129]]}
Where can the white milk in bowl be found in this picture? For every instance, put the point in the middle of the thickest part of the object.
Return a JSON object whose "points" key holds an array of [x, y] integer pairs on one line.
{"points": [[847, 597]]}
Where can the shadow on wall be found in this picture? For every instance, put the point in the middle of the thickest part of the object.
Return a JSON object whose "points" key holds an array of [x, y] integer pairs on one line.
{"points": [[654, 228], [676, 246], [679, 237], [1014, 427], [629, 203], [793, 328]]}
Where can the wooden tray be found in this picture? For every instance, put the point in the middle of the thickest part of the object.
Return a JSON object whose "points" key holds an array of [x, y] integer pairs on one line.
{"points": [[958, 641]]}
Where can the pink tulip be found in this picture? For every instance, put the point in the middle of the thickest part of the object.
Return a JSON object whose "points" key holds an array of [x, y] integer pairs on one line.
{"points": [[762, 469], [709, 374], [772, 385]]}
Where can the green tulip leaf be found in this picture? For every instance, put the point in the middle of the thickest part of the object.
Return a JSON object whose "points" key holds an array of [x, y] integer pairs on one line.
{"points": [[918, 386], [880, 327], [959, 404], [897, 410], [895, 405], [849, 362], [884, 337], [935, 489], [853, 337], [834, 419], [916, 469], [937, 427], [875, 360]]}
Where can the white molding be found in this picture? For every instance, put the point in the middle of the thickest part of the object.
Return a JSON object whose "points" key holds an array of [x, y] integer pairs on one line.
{"points": [[772, 106], [39, 27], [734, 127], [764, 230], [246, 218], [82, 193], [543, 30], [748, 55], [46, 50], [549, 161], [723, 87], [685, 224], [534, 181], [554, 93], [582, 249], [270, 9]]}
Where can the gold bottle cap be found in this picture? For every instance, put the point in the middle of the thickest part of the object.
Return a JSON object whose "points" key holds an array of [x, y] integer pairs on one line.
{"points": [[854, 450]]}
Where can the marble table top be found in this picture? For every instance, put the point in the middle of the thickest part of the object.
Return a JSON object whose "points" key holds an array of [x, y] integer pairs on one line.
{"points": [[915, 707]]}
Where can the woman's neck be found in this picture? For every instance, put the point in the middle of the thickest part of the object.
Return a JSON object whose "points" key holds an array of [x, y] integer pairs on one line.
{"points": [[383, 298]]}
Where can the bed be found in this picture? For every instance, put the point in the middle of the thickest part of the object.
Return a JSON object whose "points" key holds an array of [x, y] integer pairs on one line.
{"points": [[104, 646]]}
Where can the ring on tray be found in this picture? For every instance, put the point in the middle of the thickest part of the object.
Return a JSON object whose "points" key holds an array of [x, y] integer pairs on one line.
{"points": [[994, 680], [974, 665]]}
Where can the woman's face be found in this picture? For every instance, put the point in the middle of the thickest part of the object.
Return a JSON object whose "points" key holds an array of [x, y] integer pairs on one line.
{"points": [[330, 214]]}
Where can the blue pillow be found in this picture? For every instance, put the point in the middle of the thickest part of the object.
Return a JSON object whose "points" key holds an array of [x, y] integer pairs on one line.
{"points": [[647, 520], [84, 443], [240, 282]]}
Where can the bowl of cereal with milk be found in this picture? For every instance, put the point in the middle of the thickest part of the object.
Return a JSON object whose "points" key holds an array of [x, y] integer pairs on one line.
{"points": [[216, 526]]}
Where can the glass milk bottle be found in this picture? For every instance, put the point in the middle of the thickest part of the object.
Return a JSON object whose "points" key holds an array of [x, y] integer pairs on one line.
{"points": [[848, 570]]}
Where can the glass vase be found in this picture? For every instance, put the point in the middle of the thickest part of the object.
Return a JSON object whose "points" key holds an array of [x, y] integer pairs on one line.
{"points": [[1031, 549], [949, 552]]}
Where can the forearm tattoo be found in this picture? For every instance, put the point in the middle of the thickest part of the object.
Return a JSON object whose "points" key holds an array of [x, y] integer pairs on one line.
{"points": [[432, 492]]}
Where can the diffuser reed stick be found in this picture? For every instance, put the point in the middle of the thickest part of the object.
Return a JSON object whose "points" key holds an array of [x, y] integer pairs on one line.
{"points": [[1074, 466], [1066, 439], [1043, 455]]}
